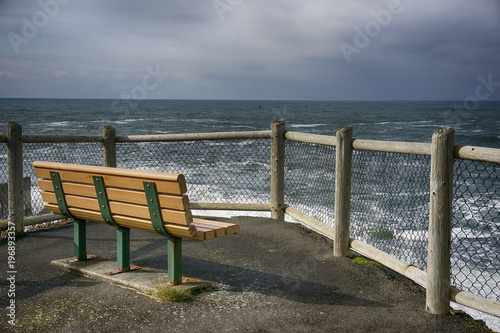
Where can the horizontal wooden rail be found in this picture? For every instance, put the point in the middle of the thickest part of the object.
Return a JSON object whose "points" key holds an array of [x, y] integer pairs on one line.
{"points": [[231, 206], [311, 138], [491, 155], [399, 266], [32, 220], [35, 138], [483, 154], [416, 148], [420, 277], [42, 219], [310, 222], [476, 302], [3, 138], [196, 136]]}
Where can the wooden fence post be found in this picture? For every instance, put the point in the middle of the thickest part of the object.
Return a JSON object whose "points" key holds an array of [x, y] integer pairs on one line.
{"points": [[15, 176], [109, 142], [441, 193], [343, 163], [122, 233], [278, 170]]}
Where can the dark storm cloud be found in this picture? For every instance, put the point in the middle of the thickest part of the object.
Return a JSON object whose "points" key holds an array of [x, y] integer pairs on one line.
{"points": [[248, 49]]}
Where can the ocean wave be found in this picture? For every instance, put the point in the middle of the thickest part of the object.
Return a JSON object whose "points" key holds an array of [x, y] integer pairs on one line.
{"points": [[306, 126], [58, 123]]}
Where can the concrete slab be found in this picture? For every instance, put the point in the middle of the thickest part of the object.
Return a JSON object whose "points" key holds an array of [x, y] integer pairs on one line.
{"points": [[143, 280]]}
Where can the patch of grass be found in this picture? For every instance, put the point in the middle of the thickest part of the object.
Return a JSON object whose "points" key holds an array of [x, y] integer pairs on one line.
{"points": [[473, 324], [166, 293], [478, 324], [364, 261]]}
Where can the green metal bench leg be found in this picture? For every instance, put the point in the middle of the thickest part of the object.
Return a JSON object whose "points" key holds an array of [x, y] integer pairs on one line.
{"points": [[80, 239], [174, 260], [123, 249]]}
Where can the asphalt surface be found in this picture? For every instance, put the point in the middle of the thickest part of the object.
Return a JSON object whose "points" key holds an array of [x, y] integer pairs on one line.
{"points": [[271, 277]]}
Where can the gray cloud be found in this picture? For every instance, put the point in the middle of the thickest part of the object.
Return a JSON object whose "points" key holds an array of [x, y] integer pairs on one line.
{"points": [[257, 49]]}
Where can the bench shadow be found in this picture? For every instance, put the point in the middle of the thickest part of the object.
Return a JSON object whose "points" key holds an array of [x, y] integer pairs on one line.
{"points": [[239, 279], [26, 289], [285, 284]]}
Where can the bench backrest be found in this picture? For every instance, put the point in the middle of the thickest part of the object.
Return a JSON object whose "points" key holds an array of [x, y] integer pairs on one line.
{"points": [[125, 194]]}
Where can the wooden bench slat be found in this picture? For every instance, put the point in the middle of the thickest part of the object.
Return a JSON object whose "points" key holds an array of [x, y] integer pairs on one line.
{"points": [[180, 202], [230, 228], [68, 188], [141, 174], [218, 231], [169, 187], [130, 222], [205, 233], [132, 210]]}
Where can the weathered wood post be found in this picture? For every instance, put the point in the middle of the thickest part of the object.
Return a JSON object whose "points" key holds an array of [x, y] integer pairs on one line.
{"points": [[343, 163], [441, 192], [15, 175], [122, 233], [109, 142], [278, 170]]}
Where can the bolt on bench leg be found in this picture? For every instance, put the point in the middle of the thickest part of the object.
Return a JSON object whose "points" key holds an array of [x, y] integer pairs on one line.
{"points": [[174, 260], [80, 241], [123, 249]]}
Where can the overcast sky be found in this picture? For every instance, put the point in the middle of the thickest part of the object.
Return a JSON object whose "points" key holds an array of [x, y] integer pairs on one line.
{"points": [[249, 49]]}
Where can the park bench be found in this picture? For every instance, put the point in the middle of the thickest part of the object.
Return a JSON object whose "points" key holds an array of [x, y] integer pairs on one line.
{"points": [[126, 199]]}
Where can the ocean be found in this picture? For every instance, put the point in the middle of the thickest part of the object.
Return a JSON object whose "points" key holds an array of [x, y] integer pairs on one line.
{"points": [[376, 120], [410, 121]]}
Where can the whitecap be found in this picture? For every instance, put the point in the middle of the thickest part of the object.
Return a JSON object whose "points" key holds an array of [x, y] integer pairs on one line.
{"points": [[58, 123], [305, 126]]}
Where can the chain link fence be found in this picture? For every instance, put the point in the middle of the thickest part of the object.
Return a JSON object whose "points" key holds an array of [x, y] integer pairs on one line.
{"points": [[310, 179], [68, 152], [390, 203], [475, 253], [220, 171], [389, 195]]}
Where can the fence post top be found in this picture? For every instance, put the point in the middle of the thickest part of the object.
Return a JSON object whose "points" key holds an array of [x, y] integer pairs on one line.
{"points": [[12, 125], [345, 129], [109, 131], [444, 131]]}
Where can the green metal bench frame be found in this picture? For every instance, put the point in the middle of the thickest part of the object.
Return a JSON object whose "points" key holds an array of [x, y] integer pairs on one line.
{"points": [[174, 244]]}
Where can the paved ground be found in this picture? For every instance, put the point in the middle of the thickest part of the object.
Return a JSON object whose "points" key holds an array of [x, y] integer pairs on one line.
{"points": [[272, 277]]}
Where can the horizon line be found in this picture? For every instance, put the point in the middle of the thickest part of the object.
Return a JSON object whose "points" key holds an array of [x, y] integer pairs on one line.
{"points": [[262, 100]]}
